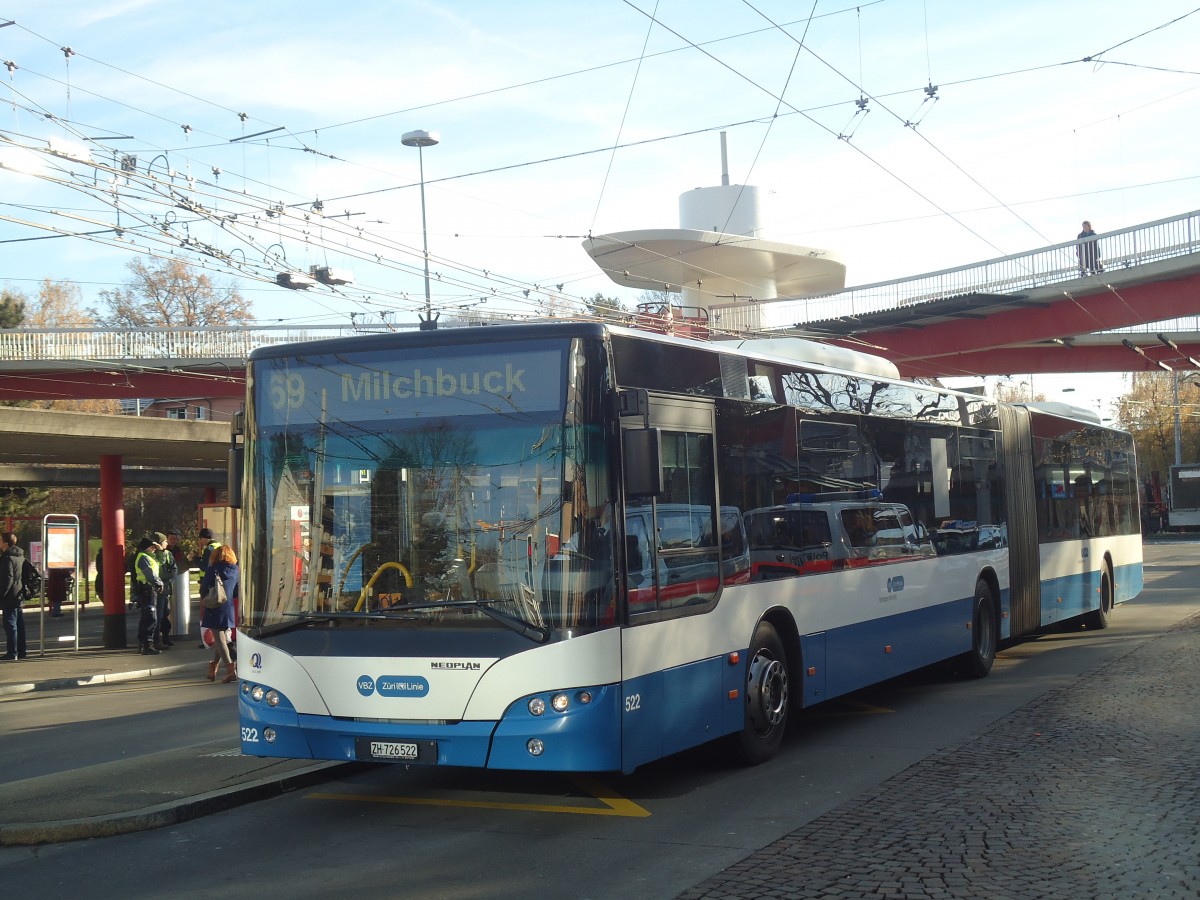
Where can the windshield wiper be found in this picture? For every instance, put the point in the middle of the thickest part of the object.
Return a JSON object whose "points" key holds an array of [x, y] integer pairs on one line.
{"points": [[520, 626], [303, 619]]}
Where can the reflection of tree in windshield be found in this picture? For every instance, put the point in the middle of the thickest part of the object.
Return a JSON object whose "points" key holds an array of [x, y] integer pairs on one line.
{"points": [[419, 503]]}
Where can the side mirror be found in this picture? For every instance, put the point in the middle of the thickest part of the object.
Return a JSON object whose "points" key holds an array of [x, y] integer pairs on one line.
{"points": [[643, 462], [237, 468]]}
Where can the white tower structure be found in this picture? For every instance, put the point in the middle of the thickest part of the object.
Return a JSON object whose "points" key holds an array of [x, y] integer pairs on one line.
{"points": [[716, 258]]}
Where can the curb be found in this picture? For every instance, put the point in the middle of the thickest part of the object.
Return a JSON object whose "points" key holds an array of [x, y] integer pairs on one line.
{"points": [[76, 681], [174, 812]]}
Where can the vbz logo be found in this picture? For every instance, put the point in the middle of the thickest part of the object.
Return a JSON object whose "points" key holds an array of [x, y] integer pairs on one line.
{"points": [[895, 584], [366, 685]]}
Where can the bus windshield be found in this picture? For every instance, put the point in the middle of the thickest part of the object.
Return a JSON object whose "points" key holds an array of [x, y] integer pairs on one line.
{"points": [[433, 487]]}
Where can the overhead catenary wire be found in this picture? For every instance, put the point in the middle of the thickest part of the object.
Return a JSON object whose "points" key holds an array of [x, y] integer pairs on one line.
{"points": [[188, 156]]}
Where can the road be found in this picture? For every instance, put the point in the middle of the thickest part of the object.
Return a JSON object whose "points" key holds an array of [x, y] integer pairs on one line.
{"points": [[442, 833]]}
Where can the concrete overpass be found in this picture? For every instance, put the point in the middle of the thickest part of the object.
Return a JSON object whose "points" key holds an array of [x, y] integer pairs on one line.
{"points": [[49, 447]]}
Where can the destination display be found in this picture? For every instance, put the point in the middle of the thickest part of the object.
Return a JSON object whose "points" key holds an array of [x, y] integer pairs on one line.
{"points": [[405, 384]]}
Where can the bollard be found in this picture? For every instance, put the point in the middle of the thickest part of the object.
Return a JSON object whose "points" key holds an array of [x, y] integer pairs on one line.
{"points": [[182, 599]]}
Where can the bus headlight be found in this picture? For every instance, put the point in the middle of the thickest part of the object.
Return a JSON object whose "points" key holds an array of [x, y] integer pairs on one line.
{"points": [[537, 706], [256, 693], [269, 735], [584, 697], [560, 702], [272, 698], [535, 747]]}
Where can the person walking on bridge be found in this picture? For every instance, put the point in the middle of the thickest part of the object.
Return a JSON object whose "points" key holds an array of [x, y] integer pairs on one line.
{"points": [[1088, 251], [12, 594]]}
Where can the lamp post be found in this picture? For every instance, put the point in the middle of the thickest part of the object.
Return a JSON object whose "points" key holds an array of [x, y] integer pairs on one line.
{"points": [[421, 140]]}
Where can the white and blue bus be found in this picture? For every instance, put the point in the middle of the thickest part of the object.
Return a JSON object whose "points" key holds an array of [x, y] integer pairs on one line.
{"points": [[570, 546]]}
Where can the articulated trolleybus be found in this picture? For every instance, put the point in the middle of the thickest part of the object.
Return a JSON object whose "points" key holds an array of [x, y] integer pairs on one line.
{"points": [[579, 547]]}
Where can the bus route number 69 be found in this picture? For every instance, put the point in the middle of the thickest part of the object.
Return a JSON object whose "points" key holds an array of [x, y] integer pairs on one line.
{"points": [[286, 390], [633, 702]]}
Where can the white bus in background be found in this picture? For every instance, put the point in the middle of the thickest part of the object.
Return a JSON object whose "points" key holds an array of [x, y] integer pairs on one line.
{"points": [[1184, 508]]}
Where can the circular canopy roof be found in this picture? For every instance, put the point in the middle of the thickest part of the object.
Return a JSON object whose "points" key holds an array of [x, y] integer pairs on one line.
{"points": [[669, 258]]}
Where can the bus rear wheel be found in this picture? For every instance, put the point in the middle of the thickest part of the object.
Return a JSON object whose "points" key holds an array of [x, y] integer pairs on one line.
{"points": [[766, 698], [985, 632], [1097, 619]]}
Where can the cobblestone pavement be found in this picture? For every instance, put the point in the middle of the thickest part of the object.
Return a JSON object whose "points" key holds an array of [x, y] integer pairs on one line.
{"points": [[1092, 791]]}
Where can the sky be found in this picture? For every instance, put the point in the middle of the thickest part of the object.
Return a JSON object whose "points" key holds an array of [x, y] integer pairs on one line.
{"points": [[265, 137]]}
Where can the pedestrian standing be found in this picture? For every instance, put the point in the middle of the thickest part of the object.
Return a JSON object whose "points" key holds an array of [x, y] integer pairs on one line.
{"points": [[146, 587], [1088, 251], [208, 546], [166, 572], [221, 619], [100, 573], [12, 594], [176, 551]]}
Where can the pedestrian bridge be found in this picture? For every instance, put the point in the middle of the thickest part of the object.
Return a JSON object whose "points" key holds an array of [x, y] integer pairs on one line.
{"points": [[1029, 312]]}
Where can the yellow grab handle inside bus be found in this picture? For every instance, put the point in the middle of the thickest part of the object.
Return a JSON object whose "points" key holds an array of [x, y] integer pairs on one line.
{"points": [[362, 597]]}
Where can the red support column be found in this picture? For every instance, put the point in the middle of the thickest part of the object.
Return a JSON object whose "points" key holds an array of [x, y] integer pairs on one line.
{"points": [[112, 533]]}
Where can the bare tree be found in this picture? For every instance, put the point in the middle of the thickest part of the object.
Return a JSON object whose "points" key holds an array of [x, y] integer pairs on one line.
{"points": [[170, 293], [58, 306], [1148, 411]]}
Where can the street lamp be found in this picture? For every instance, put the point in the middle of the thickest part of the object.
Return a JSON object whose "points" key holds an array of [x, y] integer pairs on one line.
{"points": [[421, 140]]}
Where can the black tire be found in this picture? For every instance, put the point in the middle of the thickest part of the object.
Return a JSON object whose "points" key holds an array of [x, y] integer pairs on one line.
{"points": [[1097, 619], [767, 698], [985, 633]]}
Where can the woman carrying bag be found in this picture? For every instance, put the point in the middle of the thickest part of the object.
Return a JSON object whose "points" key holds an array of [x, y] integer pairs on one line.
{"points": [[218, 591]]}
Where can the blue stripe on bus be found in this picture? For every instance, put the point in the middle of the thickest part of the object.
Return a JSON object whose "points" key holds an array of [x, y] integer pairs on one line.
{"points": [[583, 739], [868, 652], [579, 740], [663, 713], [1073, 595], [1128, 580]]}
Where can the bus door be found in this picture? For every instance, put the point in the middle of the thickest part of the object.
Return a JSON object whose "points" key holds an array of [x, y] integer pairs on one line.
{"points": [[673, 568]]}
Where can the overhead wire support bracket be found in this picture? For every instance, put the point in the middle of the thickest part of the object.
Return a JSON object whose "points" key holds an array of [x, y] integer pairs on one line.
{"points": [[1170, 343], [246, 137], [1130, 345], [931, 97]]}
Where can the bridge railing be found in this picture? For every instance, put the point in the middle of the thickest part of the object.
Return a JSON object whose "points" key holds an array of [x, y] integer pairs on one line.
{"points": [[1123, 249], [192, 343]]}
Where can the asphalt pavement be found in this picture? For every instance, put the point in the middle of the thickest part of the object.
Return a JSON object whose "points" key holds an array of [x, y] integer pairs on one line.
{"points": [[143, 791]]}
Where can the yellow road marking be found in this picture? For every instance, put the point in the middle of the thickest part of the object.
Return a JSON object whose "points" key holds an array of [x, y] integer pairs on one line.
{"points": [[614, 803]]}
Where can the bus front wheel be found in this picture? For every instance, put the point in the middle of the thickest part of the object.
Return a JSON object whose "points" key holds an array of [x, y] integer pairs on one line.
{"points": [[984, 632], [766, 698]]}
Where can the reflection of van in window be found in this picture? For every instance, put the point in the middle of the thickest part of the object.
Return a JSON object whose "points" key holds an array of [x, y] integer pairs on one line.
{"points": [[806, 538], [958, 536], [677, 563]]}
